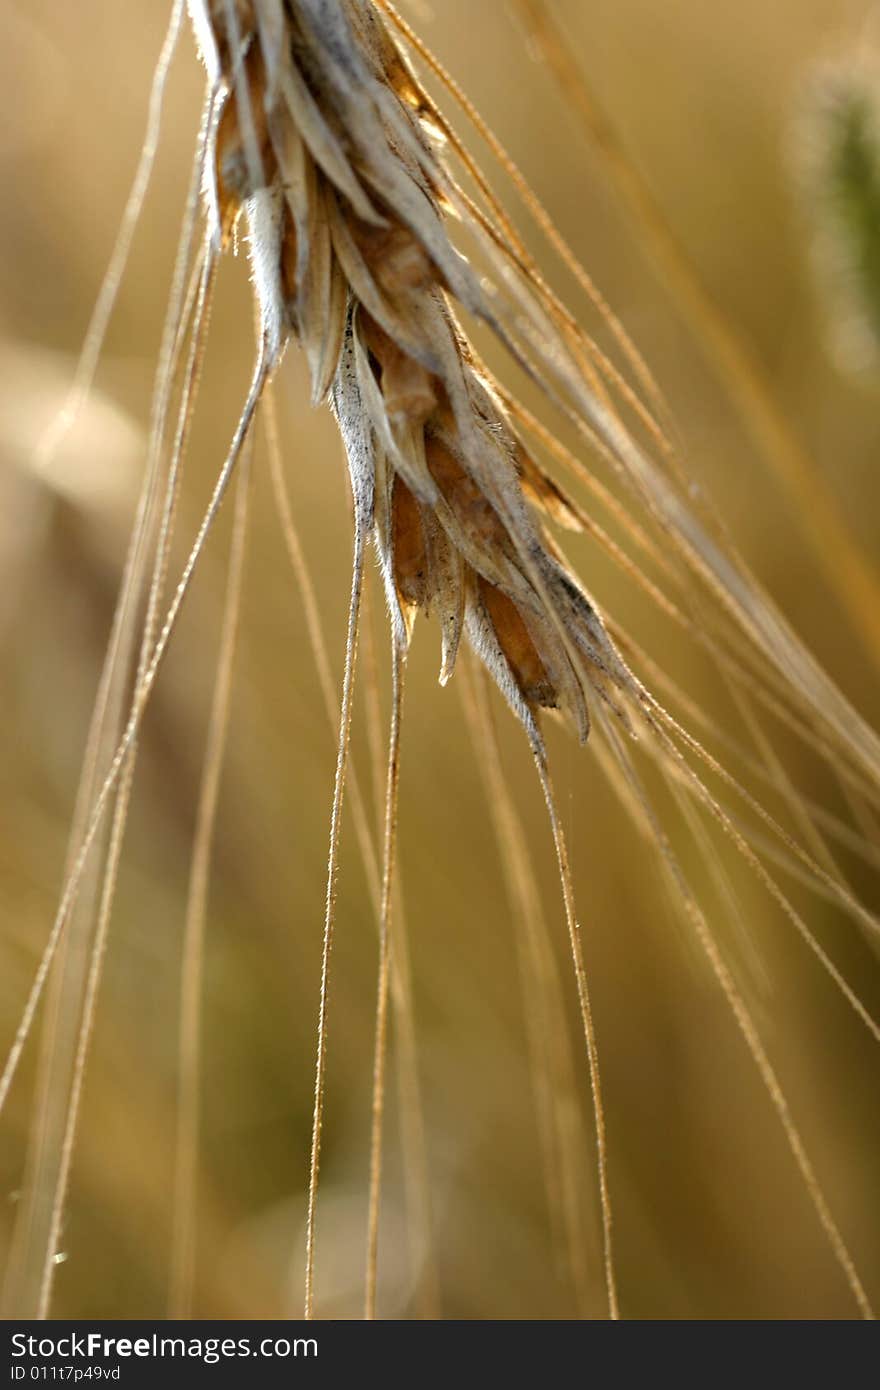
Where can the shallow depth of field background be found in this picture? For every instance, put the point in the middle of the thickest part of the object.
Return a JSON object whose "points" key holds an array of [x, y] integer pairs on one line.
{"points": [[710, 1217]]}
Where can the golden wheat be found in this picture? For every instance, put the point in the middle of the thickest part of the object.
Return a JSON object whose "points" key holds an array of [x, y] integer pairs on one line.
{"points": [[323, 151]]}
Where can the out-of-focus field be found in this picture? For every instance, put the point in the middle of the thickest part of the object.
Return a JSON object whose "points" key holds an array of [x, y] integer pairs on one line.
{"points": [[710, 1217]]}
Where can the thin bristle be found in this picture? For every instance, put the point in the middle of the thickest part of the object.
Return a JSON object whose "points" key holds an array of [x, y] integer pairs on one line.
{"points": [[385, 951], [745, 1024], [357, 580], [183, 1252]]}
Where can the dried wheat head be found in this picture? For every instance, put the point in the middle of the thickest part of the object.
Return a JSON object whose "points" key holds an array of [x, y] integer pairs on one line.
{"points": [[323, 136]]}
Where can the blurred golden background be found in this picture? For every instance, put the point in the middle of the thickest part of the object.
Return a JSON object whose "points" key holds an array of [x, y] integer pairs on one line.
{"points": [[711, 1220]]}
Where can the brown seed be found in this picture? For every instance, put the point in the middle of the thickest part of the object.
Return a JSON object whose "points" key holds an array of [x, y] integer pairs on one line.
{"points": [[406, 385], [409, 549], [289, 253], [517, 646], [472, 508], [396, 258]]}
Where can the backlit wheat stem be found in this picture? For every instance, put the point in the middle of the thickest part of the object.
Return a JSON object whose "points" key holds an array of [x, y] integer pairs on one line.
{"points": [[357, 580], [556, 1099], [746, 1025], [385, 952], [139, 704], [800, 812], [423, 1252], [104, 305], [65, 1056], [586, 1011], [841, 892], [185, 1206], [532, 203], [842, 561], [695, 785], [696, 716], [401, 984], [120, 812]]}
